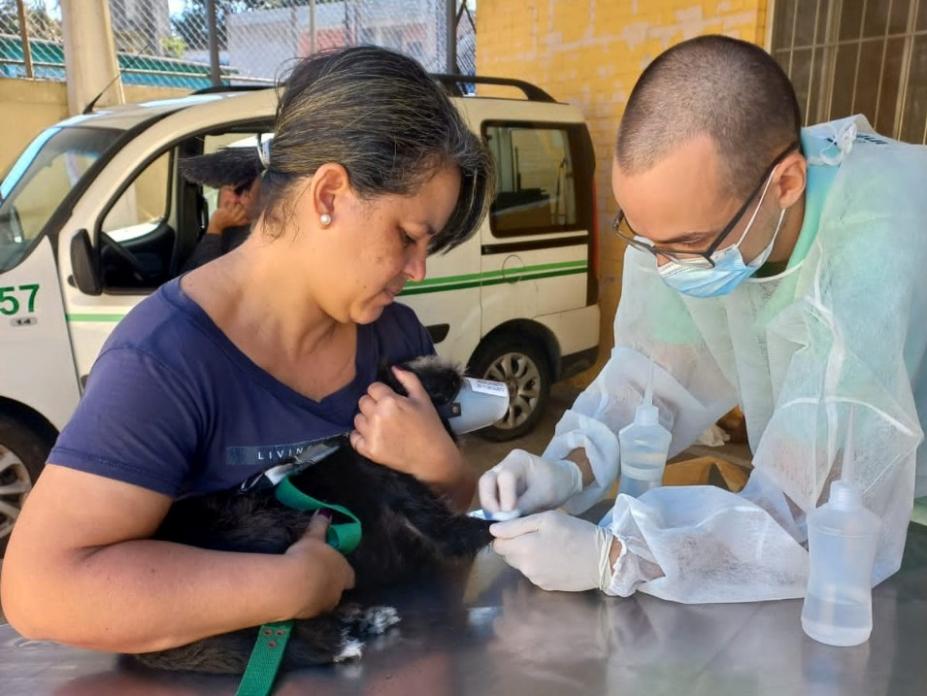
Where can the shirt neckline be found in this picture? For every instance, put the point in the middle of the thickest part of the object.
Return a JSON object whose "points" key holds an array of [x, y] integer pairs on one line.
{"points": [[364, 354]]}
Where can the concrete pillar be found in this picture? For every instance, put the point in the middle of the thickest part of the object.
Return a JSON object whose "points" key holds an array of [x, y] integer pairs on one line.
{"points": [[89, 54]]}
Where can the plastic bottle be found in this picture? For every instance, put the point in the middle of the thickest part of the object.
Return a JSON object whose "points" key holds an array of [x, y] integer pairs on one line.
{"points": [[644, 445], [842, 536]]}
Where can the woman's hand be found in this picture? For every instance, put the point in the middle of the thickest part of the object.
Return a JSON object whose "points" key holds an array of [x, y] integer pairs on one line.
{"points": [[405, 433], [324, 573]]}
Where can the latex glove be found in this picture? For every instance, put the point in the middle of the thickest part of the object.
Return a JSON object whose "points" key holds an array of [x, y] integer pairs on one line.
{"points": [[556, 551], [527, 483]]}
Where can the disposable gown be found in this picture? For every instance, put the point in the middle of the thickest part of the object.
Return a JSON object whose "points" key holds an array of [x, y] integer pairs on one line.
{"points": [[841, 334]]}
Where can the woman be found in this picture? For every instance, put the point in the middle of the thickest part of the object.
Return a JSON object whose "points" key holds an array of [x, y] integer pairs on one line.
{"points": [[237, 364]]}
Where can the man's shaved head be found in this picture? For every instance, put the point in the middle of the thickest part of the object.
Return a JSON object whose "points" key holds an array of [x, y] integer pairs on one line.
{"points": [[731, 90]]}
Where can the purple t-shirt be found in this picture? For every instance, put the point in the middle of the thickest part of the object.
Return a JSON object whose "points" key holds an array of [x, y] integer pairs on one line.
{"points": [[173, 406]]}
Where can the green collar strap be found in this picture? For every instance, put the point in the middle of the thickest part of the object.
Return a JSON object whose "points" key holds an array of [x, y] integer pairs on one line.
{"points": [[343, 536], [259, 676]]}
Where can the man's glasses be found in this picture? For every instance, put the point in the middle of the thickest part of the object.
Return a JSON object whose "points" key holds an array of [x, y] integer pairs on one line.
{"points": [[699, 259]]}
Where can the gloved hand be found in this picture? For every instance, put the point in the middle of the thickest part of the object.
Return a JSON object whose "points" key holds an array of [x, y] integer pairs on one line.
{"points": [[556, 551], [528, 483]]}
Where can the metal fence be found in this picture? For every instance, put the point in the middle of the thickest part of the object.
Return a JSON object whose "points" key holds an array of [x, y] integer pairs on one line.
{"points": [[30, 40], [197, 43], [852, 56]]}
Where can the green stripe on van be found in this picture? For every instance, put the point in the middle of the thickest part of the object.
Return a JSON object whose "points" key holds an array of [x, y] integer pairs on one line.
{"points": [[441, 284], [486, 275], [102, 318], [479, 281]]}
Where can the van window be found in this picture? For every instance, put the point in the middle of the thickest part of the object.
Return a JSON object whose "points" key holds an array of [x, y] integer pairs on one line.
{"points": [[40, 179], [136, 239], [536, 188], [144, 204]]}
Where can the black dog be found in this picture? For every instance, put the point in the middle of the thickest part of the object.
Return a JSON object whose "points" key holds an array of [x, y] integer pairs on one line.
{"points": [[406, 529]]}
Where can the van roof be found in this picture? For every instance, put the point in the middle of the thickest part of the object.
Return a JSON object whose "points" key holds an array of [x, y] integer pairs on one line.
{"points": [[126, 116]]}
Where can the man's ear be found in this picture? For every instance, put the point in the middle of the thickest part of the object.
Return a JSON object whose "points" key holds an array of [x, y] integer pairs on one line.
{"points": [[792, 180]]}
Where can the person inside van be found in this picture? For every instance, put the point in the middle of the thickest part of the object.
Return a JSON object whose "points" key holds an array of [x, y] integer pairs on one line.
{"points": [[770, 266], [236, 173], [272, 347]]}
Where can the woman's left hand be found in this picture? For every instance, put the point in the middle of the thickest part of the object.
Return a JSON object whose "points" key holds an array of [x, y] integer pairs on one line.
{"points": [[405, 433]]}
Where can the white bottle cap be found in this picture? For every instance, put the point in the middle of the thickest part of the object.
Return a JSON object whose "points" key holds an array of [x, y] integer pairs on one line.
{"points": [[647, 413], [845, 496]]}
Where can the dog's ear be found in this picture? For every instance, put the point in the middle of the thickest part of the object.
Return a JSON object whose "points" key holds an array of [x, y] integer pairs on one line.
{"points": [[441, 379]]}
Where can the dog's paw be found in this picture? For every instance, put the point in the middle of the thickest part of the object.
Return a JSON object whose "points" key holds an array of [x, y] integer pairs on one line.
{"points": [[378, 620], [350, 650], [369, 621]]}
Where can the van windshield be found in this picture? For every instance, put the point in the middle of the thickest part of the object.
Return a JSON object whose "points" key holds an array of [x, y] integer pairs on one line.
{"points": [[40, 179]]}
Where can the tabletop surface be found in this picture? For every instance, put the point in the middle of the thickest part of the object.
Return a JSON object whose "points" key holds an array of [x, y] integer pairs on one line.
{"points": [[486, 630]]}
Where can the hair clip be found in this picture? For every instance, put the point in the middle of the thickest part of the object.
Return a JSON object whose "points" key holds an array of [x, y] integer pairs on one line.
{"points": [[263, 150]]}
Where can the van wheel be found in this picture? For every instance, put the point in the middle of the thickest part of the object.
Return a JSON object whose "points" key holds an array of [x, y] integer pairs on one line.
{"points": [[525, 371], [22, 456]]}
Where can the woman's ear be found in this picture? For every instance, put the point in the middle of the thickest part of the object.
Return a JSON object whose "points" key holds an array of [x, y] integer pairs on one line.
{"points": [[793, 179], [330, 187]]}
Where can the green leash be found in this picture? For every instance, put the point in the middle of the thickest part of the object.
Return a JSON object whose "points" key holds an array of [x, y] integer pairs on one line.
{"points": [[344, 536], [267, 654]]}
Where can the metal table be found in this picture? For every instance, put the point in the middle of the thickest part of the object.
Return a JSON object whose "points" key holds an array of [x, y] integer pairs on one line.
{"points": [[486, 630]]}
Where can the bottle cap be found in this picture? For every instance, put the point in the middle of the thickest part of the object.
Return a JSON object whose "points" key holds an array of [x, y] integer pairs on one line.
{"points": [[845, 496], [647, 413]]}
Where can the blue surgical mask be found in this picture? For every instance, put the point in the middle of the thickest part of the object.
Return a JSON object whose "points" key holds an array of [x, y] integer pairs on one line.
{"points": [[729, 270]]}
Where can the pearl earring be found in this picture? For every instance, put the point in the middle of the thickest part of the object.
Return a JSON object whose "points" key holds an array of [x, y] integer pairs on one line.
{"points": [[325, 219]]}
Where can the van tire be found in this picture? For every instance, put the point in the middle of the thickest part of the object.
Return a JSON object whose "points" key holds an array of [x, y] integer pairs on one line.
{"points": [[524, 368], [22, 457]]}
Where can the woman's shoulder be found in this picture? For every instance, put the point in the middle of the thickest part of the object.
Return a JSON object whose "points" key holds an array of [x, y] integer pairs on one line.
{"points": [[164, 325]]}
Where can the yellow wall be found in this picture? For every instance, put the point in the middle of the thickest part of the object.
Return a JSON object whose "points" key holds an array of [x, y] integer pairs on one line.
{"points": [[590, 53], [29, 106]]}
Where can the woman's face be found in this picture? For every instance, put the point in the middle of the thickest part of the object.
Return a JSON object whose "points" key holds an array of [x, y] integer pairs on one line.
{"points": [[362, 259]]}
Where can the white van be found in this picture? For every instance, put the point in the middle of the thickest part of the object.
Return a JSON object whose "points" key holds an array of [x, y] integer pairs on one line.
{"points": [[94, 217]]}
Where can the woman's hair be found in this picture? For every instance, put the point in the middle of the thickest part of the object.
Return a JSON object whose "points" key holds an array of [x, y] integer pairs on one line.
{"points": [[379, 115]]}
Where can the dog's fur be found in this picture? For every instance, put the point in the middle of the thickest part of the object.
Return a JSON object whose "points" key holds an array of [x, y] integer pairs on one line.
{"points": [[406, 529]]}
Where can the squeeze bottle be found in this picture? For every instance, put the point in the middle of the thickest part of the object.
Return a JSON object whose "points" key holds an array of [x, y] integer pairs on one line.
{"points": [[842, 537], [643, 447]]}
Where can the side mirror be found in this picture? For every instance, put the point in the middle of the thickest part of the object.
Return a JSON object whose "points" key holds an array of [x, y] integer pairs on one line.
{"points": [[83, 264]]}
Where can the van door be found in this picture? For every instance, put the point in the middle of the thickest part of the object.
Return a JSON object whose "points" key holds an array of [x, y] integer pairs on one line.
{"points": [[36, 359], [36, 362], [144, 234], [535, 262]]}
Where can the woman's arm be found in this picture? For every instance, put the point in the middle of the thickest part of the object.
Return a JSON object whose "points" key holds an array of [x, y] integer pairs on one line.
{"points": [[449, 476], [80, 569]]}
